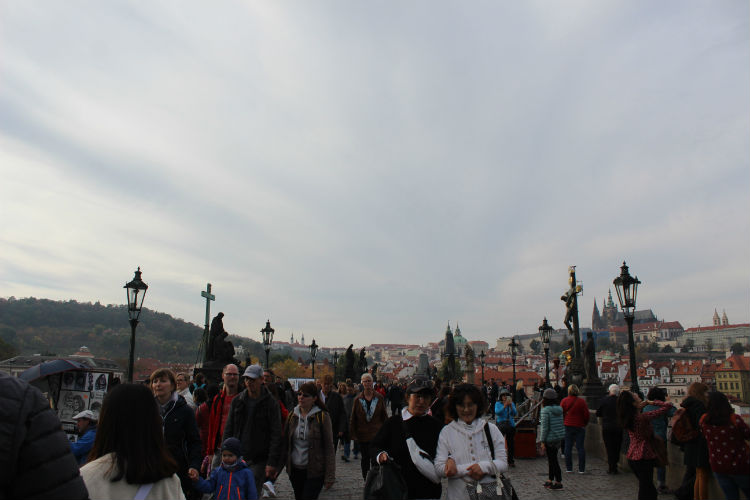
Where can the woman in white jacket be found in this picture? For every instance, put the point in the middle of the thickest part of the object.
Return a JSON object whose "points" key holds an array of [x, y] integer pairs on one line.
{"points": [[464, 455]]}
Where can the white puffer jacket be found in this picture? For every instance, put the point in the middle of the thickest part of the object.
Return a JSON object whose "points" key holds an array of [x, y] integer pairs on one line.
{"points": [[467, 444]]}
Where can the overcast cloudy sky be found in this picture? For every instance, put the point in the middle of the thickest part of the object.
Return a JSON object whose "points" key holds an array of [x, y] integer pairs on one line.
{"points": [[367, 171]]}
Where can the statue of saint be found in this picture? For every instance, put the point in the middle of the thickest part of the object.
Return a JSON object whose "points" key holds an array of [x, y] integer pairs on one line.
{"points": [[349, 363], [570, 299], [362, 361], [219, 349], [469, 355]]}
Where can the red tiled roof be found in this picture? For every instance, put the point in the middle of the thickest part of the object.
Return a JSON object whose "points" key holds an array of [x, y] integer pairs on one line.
{"points": [[735, 362], [720, 327]]}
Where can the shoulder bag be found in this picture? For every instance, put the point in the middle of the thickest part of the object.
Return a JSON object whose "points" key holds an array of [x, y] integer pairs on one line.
{"points": [[500, 489]]}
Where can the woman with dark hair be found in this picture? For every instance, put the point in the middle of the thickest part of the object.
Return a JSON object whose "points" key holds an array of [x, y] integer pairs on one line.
{"points": [[308, 439], [696, 451], [180, 429], [641, 455], [726, 435], [130, 456], [469, 451], [408, 436], [552, 431], [505, 413], [660, 435]]}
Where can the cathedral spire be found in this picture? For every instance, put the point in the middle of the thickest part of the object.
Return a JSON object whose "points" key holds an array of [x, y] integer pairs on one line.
{"points": [[716, 318], [724, 319]]}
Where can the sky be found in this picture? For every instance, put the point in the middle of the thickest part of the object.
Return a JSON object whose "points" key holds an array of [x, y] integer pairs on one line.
{"points": [[365, 172]]}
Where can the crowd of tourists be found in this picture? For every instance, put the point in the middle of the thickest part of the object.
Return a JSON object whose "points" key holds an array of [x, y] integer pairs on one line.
{"points": [[177, 437]]}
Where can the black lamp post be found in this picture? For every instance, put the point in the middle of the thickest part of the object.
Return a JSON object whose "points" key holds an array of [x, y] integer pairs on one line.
{"points": [[136, 291], [627, 288], [313, 354], [481, 363], [335, 366], [267, 332], [513, 352], [545, 332]]}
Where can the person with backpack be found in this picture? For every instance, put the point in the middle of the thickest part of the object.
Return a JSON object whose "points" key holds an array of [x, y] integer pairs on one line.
{"points": [[308, 445], [726, 435], [576, 417], [696, 450], [641, 455], [660, 435], [552, 431]]}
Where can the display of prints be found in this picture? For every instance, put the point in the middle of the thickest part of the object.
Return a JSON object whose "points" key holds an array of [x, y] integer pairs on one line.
{"points": [[100, 382], [71, 403], [95, 405], [68, 381]]}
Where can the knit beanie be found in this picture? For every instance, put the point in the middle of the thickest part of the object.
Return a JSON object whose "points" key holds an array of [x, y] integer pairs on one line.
{"points": [[233, 445], [549, 393]]}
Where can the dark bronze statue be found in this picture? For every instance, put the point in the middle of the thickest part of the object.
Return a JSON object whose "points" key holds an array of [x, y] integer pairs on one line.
{"points": [[362, 362], [589, 358], [349, 363], [219, 349]]}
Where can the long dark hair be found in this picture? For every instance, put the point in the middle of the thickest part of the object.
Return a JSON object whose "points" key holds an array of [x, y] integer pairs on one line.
{"points": [[131, 428], [626, 412], [311, 389], [657, 394], [719, 409], [459, 394]]}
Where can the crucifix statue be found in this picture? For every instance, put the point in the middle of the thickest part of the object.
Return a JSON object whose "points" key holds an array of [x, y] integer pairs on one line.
{"points": [[209, 297]]}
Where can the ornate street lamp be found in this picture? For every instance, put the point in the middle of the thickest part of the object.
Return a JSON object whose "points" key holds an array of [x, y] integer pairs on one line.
{"points": [[136, 291], [335, 366], [313, 354], [481, 362], [267, 332], [513, 353], [545, 331], [627, 289]]}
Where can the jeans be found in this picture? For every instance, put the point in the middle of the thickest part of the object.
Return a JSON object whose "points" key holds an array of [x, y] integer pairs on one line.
{"points": [[577, 434], [554, 472], [644, 471], [661, 475], [731, 484], [612, 443], [304, 487], [347, 448]]}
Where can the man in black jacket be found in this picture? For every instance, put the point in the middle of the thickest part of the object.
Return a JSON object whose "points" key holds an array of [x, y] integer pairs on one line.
{"points": [[335, 404], [611, 430], [35, 457], [255, 419]]}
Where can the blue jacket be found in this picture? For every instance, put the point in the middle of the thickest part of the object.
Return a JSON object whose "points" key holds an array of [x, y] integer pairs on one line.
{"points": [[82, 447], [504, 414], [660, 423], [225, 485], [551, 429]]}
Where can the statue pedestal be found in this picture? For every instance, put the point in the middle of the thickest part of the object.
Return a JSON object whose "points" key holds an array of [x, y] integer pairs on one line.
{"points": [[212, 371], [593, 391], [575, 372]]}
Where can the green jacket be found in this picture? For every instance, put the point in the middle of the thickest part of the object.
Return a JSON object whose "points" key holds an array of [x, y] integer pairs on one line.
{"points": [[552, 429]]}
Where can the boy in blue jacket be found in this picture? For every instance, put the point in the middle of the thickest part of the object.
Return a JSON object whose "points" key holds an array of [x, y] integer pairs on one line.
{"points": [[232, 480]]}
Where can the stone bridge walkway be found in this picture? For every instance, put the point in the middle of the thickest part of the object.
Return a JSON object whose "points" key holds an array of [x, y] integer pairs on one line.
{"points": [[527, 477]]}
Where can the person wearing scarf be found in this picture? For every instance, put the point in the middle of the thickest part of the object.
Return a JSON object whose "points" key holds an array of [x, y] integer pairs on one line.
{"points": [[368, 415]]}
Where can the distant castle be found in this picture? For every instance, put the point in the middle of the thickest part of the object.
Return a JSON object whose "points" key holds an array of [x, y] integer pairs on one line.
{"points": [[610, 317]]}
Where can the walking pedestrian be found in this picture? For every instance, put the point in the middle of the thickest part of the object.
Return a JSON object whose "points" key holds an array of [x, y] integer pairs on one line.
{"points": [[641, 455], [219, 414], [469, 451], [308, 443], [726, 436], [179, 426], [233, 479], [552, 431], [130, 457], [336, 410], [255, 419], [183, 389], [422, 430], [505, 413], [576, 417], [611, 430], [660, 436], [368, 415], [696, 451]]}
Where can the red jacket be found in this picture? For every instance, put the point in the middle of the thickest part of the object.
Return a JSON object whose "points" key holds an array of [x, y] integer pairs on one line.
{"points": [[215, 429], [575, 411]]}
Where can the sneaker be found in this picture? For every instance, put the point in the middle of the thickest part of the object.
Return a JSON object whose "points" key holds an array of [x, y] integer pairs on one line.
{"points": [[556, 486], [548, 484], [268, 490], [344, 458]]}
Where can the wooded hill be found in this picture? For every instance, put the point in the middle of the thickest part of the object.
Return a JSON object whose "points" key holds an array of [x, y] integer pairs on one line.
{"points": [[31, 326]]}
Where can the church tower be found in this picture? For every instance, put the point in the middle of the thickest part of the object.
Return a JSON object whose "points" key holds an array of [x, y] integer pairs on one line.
{"points": [[596, 318], [724, 319], [303, 339], [450, 347], [291, 340], [716, 318]]}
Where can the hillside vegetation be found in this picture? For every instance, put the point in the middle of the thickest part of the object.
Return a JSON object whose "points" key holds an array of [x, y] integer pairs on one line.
{"points": [[31, 325]]}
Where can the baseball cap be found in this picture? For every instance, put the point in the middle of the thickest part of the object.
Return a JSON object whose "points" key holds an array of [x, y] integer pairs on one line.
{"points": [[419, 384], [85, 414], [253, 371]]}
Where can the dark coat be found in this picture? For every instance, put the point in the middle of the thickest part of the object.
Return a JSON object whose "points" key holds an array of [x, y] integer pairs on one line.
{"points": [[183, 440], [391, 438], [696, 451], [607, 411], [261, 437], [36, 461], [337, 411]]}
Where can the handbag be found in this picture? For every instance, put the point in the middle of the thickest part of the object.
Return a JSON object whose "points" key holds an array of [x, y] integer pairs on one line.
{"points": [[500, 489], [385, 482]]}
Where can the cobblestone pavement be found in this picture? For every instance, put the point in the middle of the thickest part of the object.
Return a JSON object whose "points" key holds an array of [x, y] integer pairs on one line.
{"points": [[527, 477]]}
